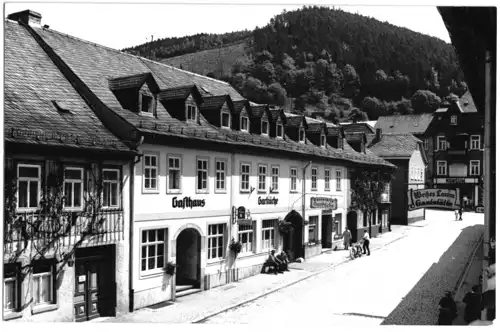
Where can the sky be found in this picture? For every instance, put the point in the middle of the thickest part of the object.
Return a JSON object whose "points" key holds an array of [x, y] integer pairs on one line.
{"points": [[124, 24]]}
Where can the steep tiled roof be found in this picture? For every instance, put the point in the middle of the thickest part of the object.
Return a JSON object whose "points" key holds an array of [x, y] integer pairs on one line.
{"points": [[411, 124], [40, 106], [355, 137], [465, 104], [358, 127], [95, 65], [132, 81], [176, 93], [213, 102], [393, 145]]}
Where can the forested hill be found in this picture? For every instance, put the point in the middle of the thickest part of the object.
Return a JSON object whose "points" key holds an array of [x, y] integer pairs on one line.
{"points": [[326, 60]]}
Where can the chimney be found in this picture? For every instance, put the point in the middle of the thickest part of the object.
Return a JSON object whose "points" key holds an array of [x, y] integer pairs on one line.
{"points": [[27, 17], [378, 134]]}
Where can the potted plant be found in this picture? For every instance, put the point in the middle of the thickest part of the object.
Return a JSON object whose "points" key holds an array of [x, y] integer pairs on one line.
{"points": [[235, 247], [170, 268]]}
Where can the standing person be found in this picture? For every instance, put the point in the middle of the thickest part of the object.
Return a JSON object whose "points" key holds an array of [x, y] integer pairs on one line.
{"points": [[366, 243], [460, 211], [347, 238], [447, 310], [472, 302]]}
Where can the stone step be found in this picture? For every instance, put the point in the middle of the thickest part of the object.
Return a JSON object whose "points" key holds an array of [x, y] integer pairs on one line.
{"points": [[180, 288], [187, 292]]}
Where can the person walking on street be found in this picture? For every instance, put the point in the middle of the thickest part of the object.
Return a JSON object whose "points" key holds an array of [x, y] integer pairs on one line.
{"points": [[347, 238], [460, 211], [472, 302], [366, 243]]}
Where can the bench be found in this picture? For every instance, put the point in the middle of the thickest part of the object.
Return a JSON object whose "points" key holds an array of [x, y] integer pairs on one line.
{"points": [[269, 265]]}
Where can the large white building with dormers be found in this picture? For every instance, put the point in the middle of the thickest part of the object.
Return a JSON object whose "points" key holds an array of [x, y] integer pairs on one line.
{"points": [[211, 167]]}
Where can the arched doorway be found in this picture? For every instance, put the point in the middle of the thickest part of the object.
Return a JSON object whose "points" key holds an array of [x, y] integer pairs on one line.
{"points": [[352, 224], [188, 258], [292, 241]]}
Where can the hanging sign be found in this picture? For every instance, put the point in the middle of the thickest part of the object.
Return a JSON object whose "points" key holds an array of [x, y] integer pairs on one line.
{"points": [[241, 212], [433, 198], [325, 203]]}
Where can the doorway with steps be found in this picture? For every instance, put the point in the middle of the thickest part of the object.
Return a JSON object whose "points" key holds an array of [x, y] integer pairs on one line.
{"points": [[188, 261]]}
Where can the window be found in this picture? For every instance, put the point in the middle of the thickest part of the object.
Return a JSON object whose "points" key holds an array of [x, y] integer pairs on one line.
{"points": [[313, 229], [426, 144], [244, 123], [268, 231], [153, 250], [314, 178], [10, 287], [302, 135], [150, 172], [174, 174], [474, 167], [216, 241], [265, 127], [220, 175], [191, 112], [147, 104], [225, 120], [202, 175], [441, 143], [323, 140], [475, 142], [453, 120], [279, 130], [293, 179], [338, 183], [245, 177], [327, 179], [245, 236], [73, 187], [111, 185], [28, 186], [442, 168], [262, 177], [275, 176], [43, 292]]}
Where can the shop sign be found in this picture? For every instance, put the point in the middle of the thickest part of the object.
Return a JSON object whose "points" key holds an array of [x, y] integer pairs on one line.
{"points": [[241, 212], [433, 198], [247, 222], [187, 202], [327, 211], [479, 209], [325, 203], [455, 180], [267, 200]]}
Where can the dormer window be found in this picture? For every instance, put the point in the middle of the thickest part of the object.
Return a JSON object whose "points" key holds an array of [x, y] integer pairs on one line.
{"points": [[302, 135], [146, 104], [244, 123], [225, 120], [191, 112], [453, 120], [323, 140], [265, 127], [279, 130]]}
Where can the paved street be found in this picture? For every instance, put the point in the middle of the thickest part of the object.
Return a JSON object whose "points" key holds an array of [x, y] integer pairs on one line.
{"points": [[398, 284]]}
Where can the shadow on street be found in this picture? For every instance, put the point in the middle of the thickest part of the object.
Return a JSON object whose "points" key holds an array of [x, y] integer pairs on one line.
{"points": [[420, 305]]}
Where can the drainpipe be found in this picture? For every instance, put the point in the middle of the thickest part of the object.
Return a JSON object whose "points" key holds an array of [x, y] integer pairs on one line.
{"points": [[304, 196], [488, 203], [231, 198]]}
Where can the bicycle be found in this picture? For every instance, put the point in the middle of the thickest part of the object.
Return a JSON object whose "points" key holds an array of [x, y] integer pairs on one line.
{"points": [[356, 250]]}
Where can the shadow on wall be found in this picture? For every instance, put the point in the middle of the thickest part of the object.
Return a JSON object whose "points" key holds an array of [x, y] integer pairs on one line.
{"points": [[420, 305]]}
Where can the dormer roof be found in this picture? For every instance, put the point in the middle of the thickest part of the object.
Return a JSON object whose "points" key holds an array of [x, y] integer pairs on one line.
{"points": [[216, 102], [133, 81], [180, 93]]}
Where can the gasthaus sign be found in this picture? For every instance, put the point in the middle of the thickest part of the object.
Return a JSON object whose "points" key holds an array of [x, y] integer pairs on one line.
{"points": [[433, 198]]}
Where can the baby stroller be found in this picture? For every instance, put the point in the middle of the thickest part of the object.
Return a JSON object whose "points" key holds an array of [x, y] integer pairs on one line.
{"points": [[356, 250]]}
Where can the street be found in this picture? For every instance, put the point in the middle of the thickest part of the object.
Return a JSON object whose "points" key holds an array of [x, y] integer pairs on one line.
{"points": [[398, 284]]}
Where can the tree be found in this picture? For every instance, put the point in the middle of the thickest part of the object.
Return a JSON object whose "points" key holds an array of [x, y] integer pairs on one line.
{"points": [[356, 115], [424, 101], [351, 81], [373, 107], [277, 94]]}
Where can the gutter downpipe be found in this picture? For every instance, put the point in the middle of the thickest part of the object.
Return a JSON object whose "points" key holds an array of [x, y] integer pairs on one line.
{"points": [[488, 203], [231, 201], [304, 201]]}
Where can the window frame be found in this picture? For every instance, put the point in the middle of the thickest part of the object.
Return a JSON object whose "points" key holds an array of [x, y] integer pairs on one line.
{"points": [[17, 289], [275, 177], [73, 181], [327, 178], [209, 236], [292, 178], [252, 238], [314, 178], [247, 122], [272, 238], [207, 189], [172, 190], [150, 109], [472, 141], [224, 178], [279, 125], [322, 140], [478, 167], [441, 162], [262, 121], [302, 132], [247, 190], [426, 144], [316, 229], [157, 169], [52, 275], [453, 120], [195, 113], [259, 174], [29, 179], [119, 187], [156, 270], [338, 179], [438, 143], [222, 113]]}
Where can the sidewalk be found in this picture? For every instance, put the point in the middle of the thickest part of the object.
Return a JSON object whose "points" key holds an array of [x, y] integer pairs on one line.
{"points": [[198, 307]]}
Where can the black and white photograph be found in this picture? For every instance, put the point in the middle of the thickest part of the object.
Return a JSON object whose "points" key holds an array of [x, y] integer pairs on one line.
{"points": [[287, 163]]}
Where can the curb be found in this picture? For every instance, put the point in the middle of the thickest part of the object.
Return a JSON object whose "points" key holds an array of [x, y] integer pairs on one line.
{"points": [[233, 306], [465, 272]]}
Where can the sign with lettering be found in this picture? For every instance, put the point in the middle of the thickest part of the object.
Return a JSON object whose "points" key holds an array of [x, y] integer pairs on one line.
{"points": [[479, 209], [187, 202], [247, 222], [267, 200], [325, 203], [455, 180], [81, 278], [433, 198], [241, 212]]}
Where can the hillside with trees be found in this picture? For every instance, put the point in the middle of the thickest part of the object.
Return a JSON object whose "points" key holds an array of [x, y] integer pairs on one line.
{"points": [[330, 63]]}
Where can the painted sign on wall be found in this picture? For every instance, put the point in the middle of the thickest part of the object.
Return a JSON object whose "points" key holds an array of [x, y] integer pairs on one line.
{"points": [[433, 198], [267, 200], [187, 202], [455, 180], [325, 203]]}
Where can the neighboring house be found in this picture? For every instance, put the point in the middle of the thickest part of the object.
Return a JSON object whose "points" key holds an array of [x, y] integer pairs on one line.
{"points": [[67, 181], [415, 124], [213, 167], [407, 153], [458, 138]]}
